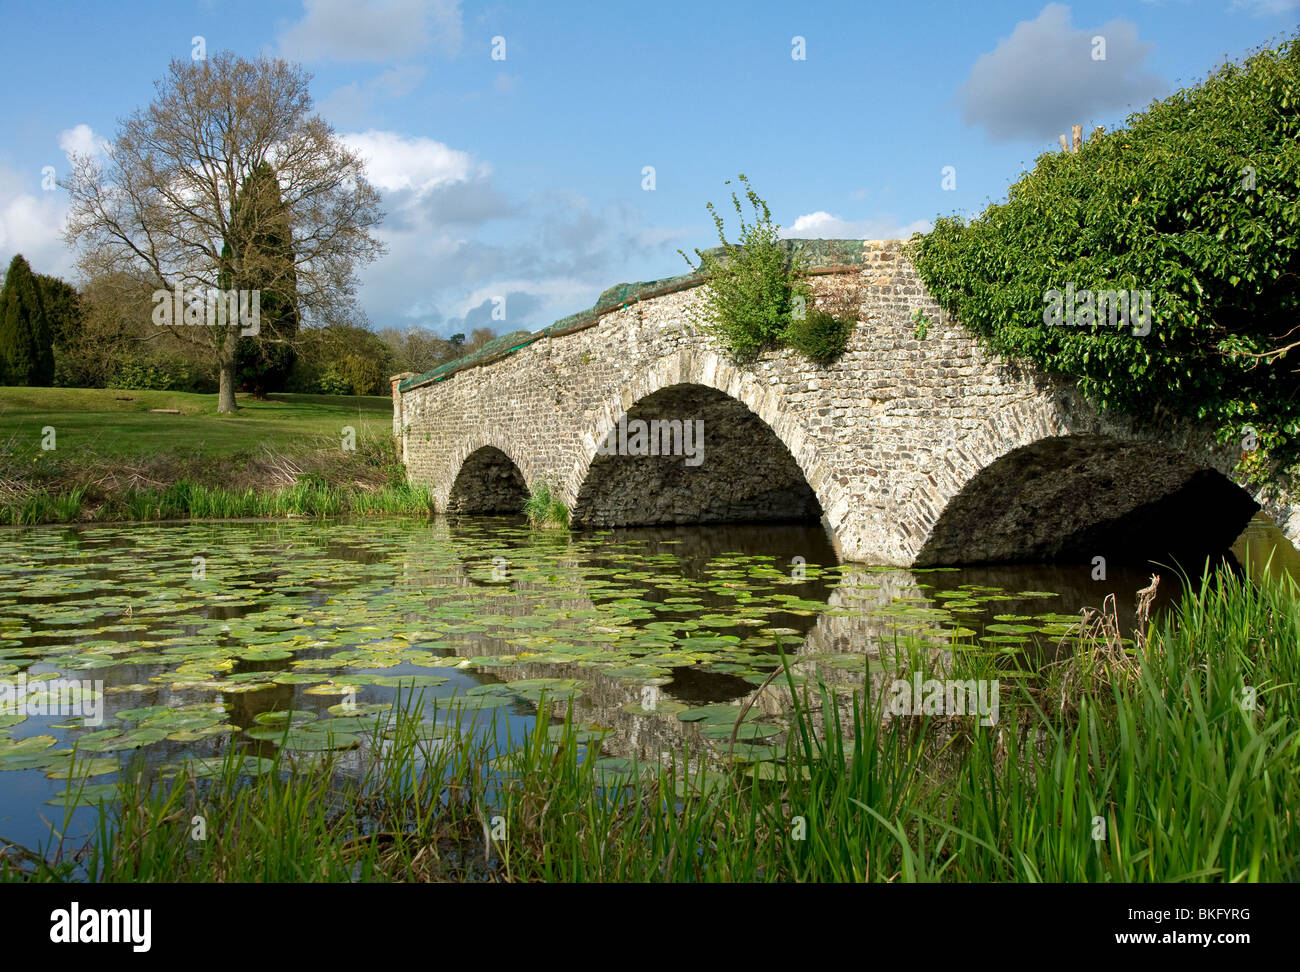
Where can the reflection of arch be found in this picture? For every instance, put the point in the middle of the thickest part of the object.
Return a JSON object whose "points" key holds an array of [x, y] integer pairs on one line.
{"points": [[711, 460], [489, 482], [702, 380], [1074, 497]]}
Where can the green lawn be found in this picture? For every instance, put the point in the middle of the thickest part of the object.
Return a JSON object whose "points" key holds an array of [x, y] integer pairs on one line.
{"points": [[115, 422]]}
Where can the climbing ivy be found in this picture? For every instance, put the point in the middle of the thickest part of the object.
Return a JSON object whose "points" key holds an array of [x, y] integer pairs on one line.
{"points": [[1196, 202]]}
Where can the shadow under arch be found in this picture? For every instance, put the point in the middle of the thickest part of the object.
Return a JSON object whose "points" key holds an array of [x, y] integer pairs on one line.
{"points": [[731, 467], [488, 483], [1068, 499]]}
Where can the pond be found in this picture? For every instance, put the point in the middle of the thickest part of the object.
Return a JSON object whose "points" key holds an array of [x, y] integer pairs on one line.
{"points": [[189, 638]]}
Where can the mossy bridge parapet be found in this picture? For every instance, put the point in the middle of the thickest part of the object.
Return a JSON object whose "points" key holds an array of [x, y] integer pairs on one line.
{"points": [[912, 448]]}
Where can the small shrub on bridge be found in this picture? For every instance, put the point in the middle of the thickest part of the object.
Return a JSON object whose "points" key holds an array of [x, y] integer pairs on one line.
{"points": [[821, 335], [751, 283]]}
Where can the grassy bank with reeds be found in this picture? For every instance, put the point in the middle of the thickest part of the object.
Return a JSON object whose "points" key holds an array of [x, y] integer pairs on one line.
{"points": [[545, 508], [309, 496], [104, 455], [1172, 760]]}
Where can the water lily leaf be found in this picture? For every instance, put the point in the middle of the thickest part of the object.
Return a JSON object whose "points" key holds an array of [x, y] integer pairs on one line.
{"points": [[747, 730], [472, 702], [581, 734], [12, 750], [89, 795], [214, 766], [359, 708], [265, 654], [616, 771], [82, 768], [317, 742], [295, 678], [718, 714], [284, 717], [409, 681]]}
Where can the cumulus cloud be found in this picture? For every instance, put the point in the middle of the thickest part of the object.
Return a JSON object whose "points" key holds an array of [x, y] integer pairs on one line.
{"points": [[372, 30], [31, 223], [1043, 78], [81, 140], [441, 272], [821, 225], [34, 210], [410, 162]]}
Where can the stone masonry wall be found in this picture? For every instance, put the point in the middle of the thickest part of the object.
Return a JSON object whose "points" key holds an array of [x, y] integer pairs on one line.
{"points": [[886, 437]]}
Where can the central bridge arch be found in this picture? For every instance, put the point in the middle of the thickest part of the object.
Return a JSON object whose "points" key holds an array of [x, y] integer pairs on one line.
{"points": [[489, 482], [710, 460], [753, 465]]}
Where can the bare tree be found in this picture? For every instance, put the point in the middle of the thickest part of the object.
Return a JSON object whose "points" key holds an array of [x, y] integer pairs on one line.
{"points": [[165, 203]]}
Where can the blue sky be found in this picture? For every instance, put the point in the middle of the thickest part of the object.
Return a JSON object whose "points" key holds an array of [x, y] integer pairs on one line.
{"points": [[523, 177]]}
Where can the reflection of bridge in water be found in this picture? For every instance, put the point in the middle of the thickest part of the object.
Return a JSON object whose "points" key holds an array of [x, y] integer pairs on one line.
{"points": [[854, 622], [865, 611]]}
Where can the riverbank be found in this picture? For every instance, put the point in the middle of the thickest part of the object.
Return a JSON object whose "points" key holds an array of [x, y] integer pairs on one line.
{"points": [[71, 455], [1172, 760]]}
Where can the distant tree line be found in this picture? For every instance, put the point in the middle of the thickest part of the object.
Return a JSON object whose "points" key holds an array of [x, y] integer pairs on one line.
{"points": [[102, 336]]}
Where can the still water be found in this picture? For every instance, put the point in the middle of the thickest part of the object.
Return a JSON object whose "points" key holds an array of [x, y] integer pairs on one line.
{"points": [[192, 638]]}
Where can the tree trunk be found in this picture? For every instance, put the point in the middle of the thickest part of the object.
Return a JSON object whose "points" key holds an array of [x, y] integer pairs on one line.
{"points": [[226, 390]]}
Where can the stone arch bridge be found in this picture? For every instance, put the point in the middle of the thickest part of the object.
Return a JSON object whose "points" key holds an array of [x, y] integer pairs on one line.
{"points": [[912, 449]]}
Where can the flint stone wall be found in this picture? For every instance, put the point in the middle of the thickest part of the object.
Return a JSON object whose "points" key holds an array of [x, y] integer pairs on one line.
{"points": [[886, 438]]}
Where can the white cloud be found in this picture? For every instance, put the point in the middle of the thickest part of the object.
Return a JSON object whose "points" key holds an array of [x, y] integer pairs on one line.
{"points": [[821, 225], [32, 217], [32, 224], [372, 30], [1043, 78], [396, 162], [440, 270], [82, 140]]}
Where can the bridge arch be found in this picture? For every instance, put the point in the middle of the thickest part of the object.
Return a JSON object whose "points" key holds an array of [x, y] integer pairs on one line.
{"points": [[756, 463], [487, 481], [1074, 496]]}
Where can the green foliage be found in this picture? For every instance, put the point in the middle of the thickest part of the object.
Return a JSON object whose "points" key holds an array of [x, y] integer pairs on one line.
{"points": [[311, 496], [341, 360], [136, 372], [751, 283], [819, 336], [362, 374], [331, 382], [63, 312], [26, 347], [922, 324], [545, 509], [260, 224], [1198, 202], [758, 297]]}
